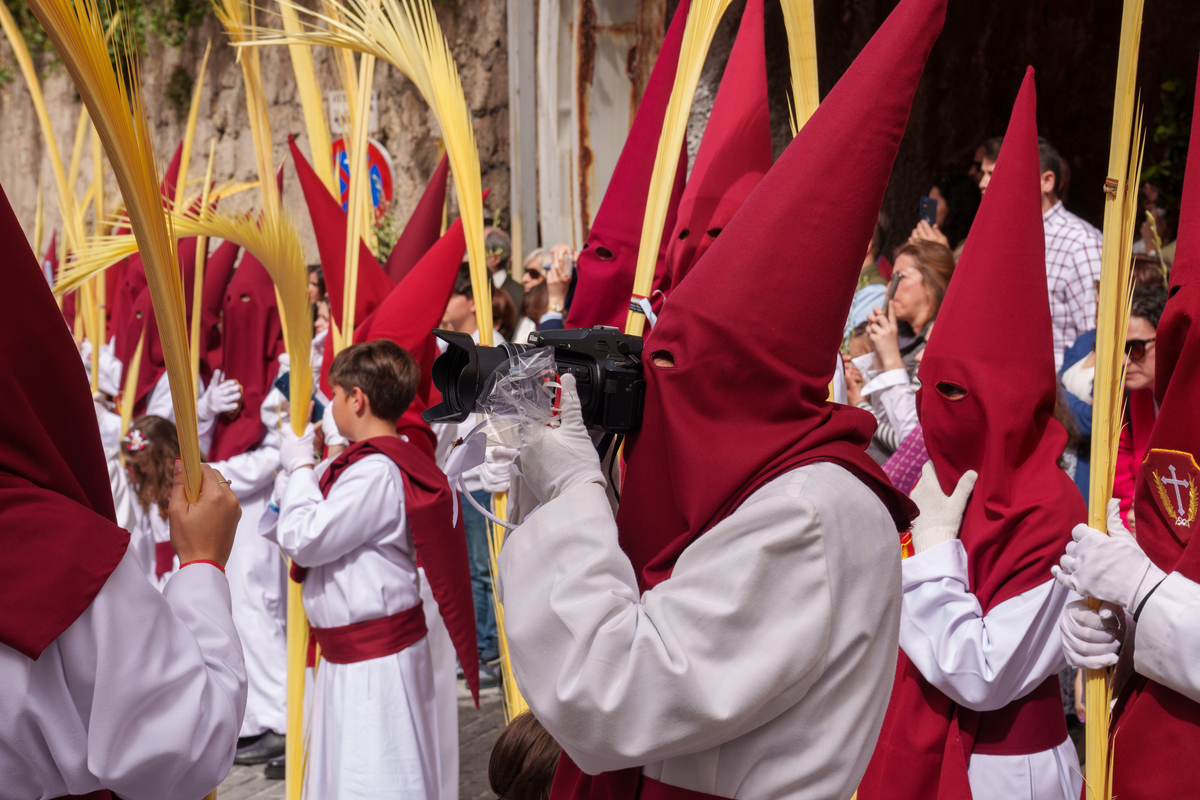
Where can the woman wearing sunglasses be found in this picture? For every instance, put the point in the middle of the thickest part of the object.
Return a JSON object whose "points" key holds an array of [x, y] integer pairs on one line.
{"points": [[1148, 303]]}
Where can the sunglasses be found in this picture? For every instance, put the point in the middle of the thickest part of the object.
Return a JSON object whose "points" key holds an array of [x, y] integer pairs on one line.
{"points": [[1136, 348]]}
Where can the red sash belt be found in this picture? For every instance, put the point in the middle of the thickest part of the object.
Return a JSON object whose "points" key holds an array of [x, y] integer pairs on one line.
{"points": [[99, 794], [1033, 724], [655, 790], [164, 558], [375, 638]]}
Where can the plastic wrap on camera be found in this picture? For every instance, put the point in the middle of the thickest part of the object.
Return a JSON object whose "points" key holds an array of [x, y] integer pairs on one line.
{"points": [[519, 398]]}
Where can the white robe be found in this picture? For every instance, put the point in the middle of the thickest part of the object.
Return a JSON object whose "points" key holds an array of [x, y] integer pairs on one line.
{"points": [[986, 661], [374, 726], [445, 689], [143, 694], [159, 403], [147, 527], [760, 670], [258, 582], [1167, 636]]}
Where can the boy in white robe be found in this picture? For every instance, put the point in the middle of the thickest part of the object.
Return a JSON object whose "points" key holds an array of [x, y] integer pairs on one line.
{"points": [[346, 524]]}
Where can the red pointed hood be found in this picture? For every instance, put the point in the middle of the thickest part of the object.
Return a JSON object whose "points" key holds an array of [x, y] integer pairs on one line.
{"points": [[57, 524], [253, 340], [170, 178], [410, 312], [1020, 516], [608, 261], [705, 446], [218, 271], [423, 228], [1177, 385], [329, 225], [734, 154], [1024, 506], [1154, 721]]}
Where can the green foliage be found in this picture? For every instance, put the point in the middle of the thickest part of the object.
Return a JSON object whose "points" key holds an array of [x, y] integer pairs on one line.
{"points": [[387, 233], [169, 21], [1166, 159]]}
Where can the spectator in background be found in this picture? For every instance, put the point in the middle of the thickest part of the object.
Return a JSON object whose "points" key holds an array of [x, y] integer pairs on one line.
{"points": [[558, 284], [1072, 250], [899, 335], [504, 314], [957, 201], [1156, 240], [535, 302], [498, 247], [1141, 410], [316, 284], [860, 353], [876, 267], [990, 151]]}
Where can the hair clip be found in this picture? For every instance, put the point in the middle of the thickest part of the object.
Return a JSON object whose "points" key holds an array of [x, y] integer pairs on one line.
{"points": [[135, 441]]}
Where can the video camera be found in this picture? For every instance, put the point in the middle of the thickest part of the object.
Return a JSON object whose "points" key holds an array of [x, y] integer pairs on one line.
{"points": [[606, 363]]}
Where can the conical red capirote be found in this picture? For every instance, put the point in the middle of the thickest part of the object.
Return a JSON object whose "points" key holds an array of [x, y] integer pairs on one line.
{"points": [[329, 225], [734, 154], [253, 340], [424, 227], [608, 261], [755, 329]]}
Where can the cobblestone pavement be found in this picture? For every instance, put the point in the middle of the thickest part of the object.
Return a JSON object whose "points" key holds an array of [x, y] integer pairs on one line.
{"points": [[477, 732]]}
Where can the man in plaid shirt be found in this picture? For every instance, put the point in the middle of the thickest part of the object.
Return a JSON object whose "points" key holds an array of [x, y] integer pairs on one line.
{"points": [[1072, 251]]}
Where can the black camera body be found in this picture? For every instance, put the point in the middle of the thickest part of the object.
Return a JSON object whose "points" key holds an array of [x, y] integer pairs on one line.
{"points": [[606, 363]]}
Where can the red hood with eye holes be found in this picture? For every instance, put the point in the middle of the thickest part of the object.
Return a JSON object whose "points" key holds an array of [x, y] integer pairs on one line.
{"points": [[1024, 506], [608, 261]]}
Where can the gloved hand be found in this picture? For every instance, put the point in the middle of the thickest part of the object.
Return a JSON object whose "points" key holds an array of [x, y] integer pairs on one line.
{"points": [[941, 516], [1111, 568], [296, 452], [222, 396], [554, 459], [1091, 638], [496, 467]]}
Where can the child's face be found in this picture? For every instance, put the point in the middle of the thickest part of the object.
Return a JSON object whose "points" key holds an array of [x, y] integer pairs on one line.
{"points": [[344, 412]]}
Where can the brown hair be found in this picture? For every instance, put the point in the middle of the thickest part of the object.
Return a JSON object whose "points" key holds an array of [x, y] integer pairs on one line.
{"points": [[536, 302], [385, 372], [523, 761], [936, 263], [150, 450], [504, 314]]}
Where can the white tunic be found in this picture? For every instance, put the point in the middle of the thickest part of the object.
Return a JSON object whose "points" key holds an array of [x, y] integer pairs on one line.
{"points": [[374, 727], [143, 694], [761, 669], [159, 403], [1167, 636], [147, 527], [986, 661], [258, 582]]}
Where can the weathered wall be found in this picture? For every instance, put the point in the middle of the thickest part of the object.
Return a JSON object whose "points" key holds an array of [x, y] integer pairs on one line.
{"points": [[476, 32]]}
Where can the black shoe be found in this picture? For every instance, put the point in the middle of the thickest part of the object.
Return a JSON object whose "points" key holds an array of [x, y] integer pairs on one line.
{"points": [[275, 770], [246, 741], [262, 750], [489, 676]]}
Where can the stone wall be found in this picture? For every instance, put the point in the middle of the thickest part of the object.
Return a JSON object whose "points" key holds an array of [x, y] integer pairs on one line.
{"points": [[477, 35]]}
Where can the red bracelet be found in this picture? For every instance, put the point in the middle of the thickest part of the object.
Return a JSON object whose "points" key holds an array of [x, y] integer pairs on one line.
{"points": [[202, 561]]}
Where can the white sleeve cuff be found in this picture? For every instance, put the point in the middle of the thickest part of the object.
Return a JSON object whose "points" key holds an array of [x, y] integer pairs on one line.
{"points": [[946, 560], [1166, 631], [884, 380]]}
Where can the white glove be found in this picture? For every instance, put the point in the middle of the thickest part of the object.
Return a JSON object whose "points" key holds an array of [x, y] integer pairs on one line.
{"points": [[496, 467], [295, 451], [1091, 638], [941, 516], [222, 396], [1111, 568], [555, 459]]}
